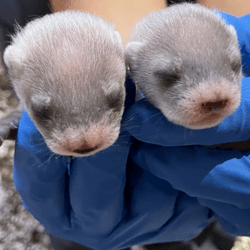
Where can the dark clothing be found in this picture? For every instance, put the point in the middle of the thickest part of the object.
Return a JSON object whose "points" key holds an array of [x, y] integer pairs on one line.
{"points": [[170, 2], [22, 11], [19, 12], [61, 244]]}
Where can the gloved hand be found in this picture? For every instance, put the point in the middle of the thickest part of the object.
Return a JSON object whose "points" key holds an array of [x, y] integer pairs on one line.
{"points": [[219, 179]]}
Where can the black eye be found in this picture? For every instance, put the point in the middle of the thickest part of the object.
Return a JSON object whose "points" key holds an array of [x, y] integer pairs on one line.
{"points": [[166, 79], [42, 112], [115, 100], [236, 66]]}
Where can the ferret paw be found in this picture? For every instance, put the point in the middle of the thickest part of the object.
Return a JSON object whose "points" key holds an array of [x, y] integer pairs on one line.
{"points": [[9, 125]]}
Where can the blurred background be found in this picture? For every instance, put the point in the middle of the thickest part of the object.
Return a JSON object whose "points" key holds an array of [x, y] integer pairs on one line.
{"points": [[18, 229], [125, 13]]}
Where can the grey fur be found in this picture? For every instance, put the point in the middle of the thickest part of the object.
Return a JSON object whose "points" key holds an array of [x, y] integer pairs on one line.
{"points": [[68, 70], [176, 50]]}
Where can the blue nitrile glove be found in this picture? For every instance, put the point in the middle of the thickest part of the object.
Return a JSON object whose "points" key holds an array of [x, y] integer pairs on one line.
{"points": [[219, 179], [89, 204]]}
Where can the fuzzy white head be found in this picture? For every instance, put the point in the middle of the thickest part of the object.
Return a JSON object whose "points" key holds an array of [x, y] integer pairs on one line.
{"points": [[187, 63], [68, 70]]}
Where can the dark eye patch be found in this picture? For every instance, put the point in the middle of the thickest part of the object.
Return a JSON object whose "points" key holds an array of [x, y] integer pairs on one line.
{"points": [[166, 79], [42, 112], [115, 100], [236, 66]]}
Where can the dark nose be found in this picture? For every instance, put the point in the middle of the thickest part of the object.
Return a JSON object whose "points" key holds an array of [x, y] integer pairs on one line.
{"points": [[214, 106], [85, 150]]}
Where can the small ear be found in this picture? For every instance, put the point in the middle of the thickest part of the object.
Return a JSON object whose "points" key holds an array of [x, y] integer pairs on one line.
{"points": [[12, 56], [131, 52], [41, 106], [118, 35], [7, 55], [232, 31], [40, 99]]}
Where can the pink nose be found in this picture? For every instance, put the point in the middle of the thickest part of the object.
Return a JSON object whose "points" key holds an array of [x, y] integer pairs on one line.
{"points": [[83, 142], [214, 106]]}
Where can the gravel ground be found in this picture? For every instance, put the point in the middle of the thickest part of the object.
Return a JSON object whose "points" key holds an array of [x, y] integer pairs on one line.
{"points": [[18, 228]]}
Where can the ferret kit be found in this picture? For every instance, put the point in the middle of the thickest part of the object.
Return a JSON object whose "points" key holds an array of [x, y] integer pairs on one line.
{"points": [[68, 71], [186, 61]]}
